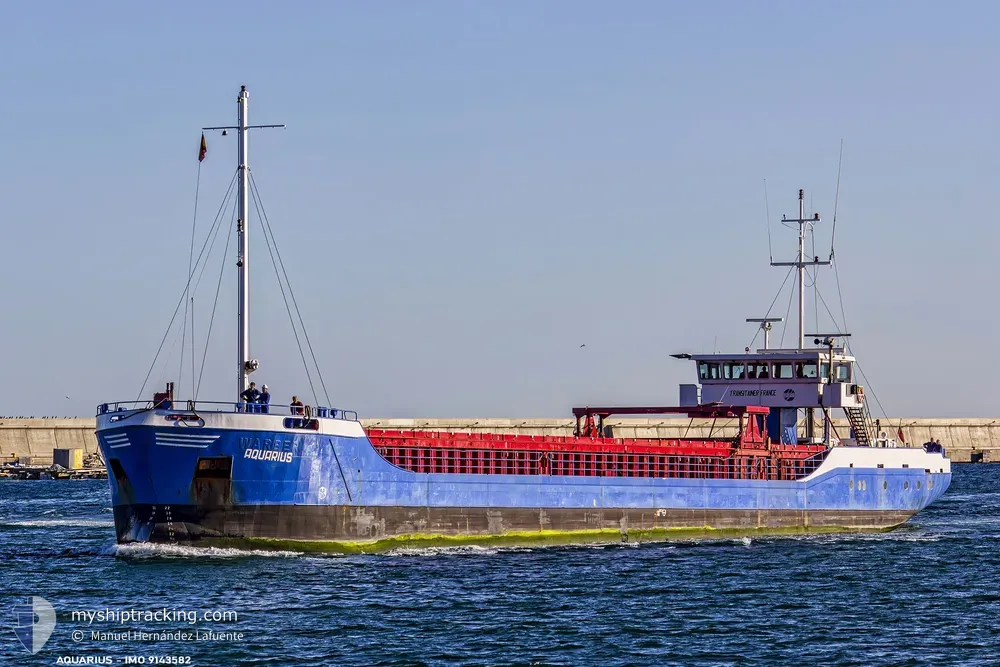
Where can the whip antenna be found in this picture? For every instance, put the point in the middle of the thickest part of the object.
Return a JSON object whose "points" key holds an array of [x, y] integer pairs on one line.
{"points": [[836, 200]]}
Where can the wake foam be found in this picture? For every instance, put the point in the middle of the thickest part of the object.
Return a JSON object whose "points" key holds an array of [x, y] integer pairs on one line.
{"points": [[147, 550], [458, 549], [45, 523]]}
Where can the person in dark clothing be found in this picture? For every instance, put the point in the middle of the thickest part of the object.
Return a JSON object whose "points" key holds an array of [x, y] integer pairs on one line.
{"points": [[296, 406], [264, 398], [250, 396]]}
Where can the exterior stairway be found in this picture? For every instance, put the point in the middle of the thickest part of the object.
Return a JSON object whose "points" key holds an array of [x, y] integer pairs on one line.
{"points": [[861, 425]]}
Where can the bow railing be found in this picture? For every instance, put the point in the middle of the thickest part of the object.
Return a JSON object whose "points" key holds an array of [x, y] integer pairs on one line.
{"points": [[227, 407]]}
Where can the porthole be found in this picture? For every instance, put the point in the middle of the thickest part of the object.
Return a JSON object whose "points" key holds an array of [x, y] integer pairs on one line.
{"points": [[864, 485], [918, 485], [906, 485], [930, 484], [885, 485], [850, 485]]}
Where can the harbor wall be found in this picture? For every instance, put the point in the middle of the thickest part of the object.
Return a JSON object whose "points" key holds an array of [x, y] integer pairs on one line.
{"points": [[38, 437], [964, 439]]}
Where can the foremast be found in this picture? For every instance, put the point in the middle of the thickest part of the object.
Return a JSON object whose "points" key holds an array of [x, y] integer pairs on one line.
{"points": [[246, 364]]}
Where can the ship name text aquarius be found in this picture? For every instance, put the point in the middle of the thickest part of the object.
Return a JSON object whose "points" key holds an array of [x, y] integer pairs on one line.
{"points": [[278, 450]]}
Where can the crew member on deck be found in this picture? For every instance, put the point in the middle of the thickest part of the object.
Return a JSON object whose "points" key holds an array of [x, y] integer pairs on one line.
{"points": [[296, 406], [250, 396], [264, 398], [932, 446]]}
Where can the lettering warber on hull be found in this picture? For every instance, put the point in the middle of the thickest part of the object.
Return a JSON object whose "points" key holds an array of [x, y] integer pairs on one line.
{"points": [[280, 476], [279, 444]]}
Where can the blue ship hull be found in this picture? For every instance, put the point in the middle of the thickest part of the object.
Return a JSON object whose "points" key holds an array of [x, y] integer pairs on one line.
{"points": [[174, 483]]}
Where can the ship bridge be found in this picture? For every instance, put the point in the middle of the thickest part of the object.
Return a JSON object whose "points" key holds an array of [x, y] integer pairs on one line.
{"points": [[796, 380], [786, 378], [787, 381]]}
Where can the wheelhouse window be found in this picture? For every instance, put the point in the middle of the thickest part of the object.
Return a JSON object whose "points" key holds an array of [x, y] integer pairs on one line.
{"points": [[758, 371], [734, 370], [842, 373], [783, 369], [824, 369], [709, 370], [806, 369]]}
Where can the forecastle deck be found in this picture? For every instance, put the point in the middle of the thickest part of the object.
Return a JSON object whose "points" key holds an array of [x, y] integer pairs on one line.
{"points": [[963, 439]]}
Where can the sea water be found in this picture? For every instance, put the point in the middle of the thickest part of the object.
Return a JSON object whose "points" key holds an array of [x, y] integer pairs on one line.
{"points": [[928, 592]]}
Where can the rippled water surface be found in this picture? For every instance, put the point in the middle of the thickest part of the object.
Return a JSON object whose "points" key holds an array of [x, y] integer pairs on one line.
{"points": [[926, 593]]}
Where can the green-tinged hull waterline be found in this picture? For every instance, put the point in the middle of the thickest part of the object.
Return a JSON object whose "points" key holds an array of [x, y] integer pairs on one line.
{"points": [[519, 539], [354, 529]]}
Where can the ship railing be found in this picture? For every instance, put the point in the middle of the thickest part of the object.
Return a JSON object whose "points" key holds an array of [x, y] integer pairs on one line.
{"points": [[230, 407], [425, 459], [881, 441], [885, 441]]}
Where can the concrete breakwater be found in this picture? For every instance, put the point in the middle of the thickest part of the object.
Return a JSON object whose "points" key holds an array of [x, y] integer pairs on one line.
{"points": [[964, 439]]}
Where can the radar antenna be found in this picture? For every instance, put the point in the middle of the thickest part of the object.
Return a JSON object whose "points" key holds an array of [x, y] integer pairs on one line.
{"points": [[765, 325]]}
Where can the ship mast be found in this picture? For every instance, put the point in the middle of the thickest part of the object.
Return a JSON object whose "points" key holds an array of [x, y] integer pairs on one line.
{"points": [[247, 365], [801, 262], [243, 255], [802, 271]]}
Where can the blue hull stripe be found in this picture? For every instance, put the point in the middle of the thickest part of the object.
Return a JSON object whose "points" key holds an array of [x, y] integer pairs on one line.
{"points": [[318, 469]]}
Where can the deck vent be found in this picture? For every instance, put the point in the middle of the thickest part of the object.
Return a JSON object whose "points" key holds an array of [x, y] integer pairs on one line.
{"points": [[881, 465], [906, 465]]}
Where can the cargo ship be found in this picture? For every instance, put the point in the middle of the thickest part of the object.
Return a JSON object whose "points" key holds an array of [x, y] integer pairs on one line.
{"points": [[311, 477]]}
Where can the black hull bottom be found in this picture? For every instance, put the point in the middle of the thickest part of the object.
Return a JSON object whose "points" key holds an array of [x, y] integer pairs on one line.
{"points": [[365, 529]]}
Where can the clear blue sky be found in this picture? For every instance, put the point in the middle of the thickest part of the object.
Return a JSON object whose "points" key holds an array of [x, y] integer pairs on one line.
{"points": [[467, 192]]}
